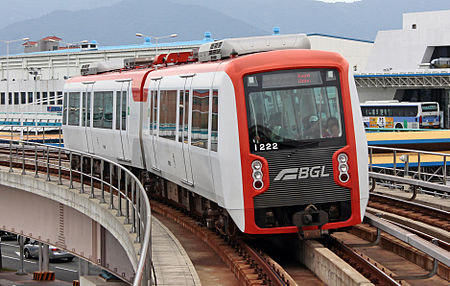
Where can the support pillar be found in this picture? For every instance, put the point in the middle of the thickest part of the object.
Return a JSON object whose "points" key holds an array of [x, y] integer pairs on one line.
{"points": [[21, 270], [83, 268], [44, 274], [45, 258]]}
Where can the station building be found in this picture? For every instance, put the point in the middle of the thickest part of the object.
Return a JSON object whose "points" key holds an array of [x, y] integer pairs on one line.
{"points": [[31, 83], [411, 64]]}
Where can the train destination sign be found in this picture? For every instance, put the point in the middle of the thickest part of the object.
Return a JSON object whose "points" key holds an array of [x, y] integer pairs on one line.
{"points": [[291, 79]]}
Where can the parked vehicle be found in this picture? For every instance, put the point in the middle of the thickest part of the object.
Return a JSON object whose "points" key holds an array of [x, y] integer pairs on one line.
{"points": [[4, 235], [31, 250]]}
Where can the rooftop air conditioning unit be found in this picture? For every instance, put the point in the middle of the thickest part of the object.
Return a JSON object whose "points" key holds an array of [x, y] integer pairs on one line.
{"points": [[240, 46]]}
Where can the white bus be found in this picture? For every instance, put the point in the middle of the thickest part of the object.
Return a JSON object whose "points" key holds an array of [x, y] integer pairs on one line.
{"points": [[395, 114]]}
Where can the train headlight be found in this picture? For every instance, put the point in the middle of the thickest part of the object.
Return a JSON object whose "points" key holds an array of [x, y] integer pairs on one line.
{"points": [[257, 175], [256, 165], [343, 168], [342, 158]]}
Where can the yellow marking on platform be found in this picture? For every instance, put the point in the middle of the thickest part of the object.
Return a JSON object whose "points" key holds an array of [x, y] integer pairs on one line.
{"points": [[16, 136], [411, 135]]}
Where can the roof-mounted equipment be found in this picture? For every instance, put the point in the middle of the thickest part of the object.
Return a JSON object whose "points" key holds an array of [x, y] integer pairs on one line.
{"points": [[100, 67], [132, 63], [240, 46]]}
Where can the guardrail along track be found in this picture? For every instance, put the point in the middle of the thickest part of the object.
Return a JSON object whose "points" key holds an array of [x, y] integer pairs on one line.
{"points": [[408, 254], [125, 192]]}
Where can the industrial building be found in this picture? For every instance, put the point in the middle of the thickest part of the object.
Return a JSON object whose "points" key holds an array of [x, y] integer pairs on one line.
{"points": [[411, 64]]}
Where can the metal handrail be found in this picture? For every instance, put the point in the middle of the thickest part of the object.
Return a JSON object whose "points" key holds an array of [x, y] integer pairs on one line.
{"points": [[140, 205], [419, 178]]}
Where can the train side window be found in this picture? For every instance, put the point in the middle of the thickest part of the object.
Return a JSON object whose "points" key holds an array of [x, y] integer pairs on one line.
{"points": [[2, 98], [200, 116], [108, 110], [10, 98], [97, 111], [86, 119], [74, 108], [64, 122], [124, 110], [168, 114], [153, 100], [215, 120], [103, 109]]}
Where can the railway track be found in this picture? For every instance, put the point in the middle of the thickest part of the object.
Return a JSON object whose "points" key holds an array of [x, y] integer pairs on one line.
{"points": [[248, 264], [397, 259], [429, 215]]}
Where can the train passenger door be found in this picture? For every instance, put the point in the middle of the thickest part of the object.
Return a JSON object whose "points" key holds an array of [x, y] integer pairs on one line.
{"points": [[154, 90], [184, 127], [122, 110], [86, 115]]}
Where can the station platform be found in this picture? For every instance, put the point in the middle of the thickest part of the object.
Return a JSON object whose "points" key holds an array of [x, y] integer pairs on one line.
{"points": [[429, 140], [386, 160]]}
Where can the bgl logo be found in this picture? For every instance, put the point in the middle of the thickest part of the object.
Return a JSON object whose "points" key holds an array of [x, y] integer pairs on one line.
{"points": [[301, 173]]}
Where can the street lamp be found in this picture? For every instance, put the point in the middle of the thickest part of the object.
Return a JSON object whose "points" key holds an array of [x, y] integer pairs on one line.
{"points": [[157, 39], [7, 65]]}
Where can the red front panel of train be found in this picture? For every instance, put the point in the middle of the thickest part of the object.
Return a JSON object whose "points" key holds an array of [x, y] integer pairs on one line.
{"points": [[295, 119]]}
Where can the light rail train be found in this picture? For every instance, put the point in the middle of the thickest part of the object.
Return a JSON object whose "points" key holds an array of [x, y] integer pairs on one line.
{"points": [[260, 133]]}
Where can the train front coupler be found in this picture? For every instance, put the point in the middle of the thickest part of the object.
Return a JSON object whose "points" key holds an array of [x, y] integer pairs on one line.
{"points": [[310, 216]]}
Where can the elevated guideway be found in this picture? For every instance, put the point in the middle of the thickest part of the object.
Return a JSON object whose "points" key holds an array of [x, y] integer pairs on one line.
{"points": [[103, 220]]}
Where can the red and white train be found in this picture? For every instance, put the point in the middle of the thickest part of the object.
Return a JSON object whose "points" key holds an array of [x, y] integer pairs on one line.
{"points": [[261, 133]]}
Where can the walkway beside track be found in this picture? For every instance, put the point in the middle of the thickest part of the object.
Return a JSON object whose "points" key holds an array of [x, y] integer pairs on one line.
{"points": [[171, 262], [82, 208]]}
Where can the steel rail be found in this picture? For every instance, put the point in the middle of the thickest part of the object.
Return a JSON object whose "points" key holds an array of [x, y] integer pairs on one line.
{"points": [[370, 271], [272, 276], [141, 211], [431, 211]]}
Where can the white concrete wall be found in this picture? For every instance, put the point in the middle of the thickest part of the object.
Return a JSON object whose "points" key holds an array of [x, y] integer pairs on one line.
{"points": [[355, 51], [366, 94], [404, 50]]}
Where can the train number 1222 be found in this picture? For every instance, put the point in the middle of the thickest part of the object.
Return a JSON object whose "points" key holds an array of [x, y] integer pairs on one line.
{"points": [[266, 147]]}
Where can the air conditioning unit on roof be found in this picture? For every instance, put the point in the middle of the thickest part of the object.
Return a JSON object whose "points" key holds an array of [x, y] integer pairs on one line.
{"points": [[240, 46]]}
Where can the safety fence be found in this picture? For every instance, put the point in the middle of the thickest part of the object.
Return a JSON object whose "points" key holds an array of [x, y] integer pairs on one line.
{"points": [[101, 178]]}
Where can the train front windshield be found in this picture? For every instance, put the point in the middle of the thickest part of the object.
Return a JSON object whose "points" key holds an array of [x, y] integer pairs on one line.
{"points": [[294, 109]]}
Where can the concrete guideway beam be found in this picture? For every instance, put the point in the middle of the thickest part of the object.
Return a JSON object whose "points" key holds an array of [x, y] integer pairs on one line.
{"points": [[63, 217]]}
